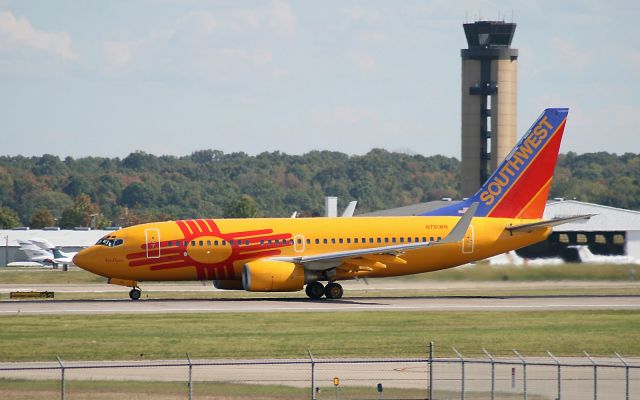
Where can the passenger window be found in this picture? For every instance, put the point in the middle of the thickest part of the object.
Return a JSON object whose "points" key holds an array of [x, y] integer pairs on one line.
{"points": [[431, 239], [386, 240], [355, 240], [417, 240], [308, 241], [439, 238], [340, 240], [393, 240], [424, 239], [325, 241], [299, 241], [231, 242], [224, 242], [193, 243], [348, 240], [409, 239], [262, 243], [215, 242], [201, 243], [169, 243], [317, 241], [208, 242], [401, 240], [379, 240], [333, 241]]}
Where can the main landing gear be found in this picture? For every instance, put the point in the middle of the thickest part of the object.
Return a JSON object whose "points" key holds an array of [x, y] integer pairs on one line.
{"points": [[135, 293], [316, 290]]}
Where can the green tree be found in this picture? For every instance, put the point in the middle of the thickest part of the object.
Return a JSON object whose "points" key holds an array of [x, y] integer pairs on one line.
{"points": [[8, 218], [244, 207], [41, 218], [80, 214], [137, 194]]}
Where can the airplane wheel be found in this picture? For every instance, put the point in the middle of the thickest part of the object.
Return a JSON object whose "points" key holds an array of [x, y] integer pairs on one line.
{"points": [[333, 291], [135, 293], [314, 290]]}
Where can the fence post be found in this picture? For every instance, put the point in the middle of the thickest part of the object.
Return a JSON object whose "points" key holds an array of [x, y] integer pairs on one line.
{"points": [[493, 375], [524, 374], [559, 376], [61, 377], [626, 373], [190, 376], [313, 375], [462, 377], [431, 349], [595, 375]]}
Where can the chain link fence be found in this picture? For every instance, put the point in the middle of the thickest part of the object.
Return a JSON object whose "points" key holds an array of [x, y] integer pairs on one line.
{"points": [[430, 377]]}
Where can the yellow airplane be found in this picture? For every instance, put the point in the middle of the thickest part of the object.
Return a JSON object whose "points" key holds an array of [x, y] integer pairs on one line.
{"points": [[285, 254]]}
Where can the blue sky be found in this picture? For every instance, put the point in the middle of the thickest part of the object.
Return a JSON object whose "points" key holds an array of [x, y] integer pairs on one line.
{"points": [[106, 78]]}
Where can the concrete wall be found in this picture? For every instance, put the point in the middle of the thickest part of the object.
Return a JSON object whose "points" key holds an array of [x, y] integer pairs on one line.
{"points": [[470, 145], [504, 110], [633, 244]]}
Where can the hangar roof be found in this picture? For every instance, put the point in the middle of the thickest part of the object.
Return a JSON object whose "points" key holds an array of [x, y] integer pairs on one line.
{"points": [[62, 238], [607, 218]]}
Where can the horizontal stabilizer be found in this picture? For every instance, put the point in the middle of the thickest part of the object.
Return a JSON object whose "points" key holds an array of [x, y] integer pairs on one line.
{"points": [[548, 223]]}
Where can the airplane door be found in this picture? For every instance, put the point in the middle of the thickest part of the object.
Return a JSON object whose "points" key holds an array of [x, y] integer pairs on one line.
{"points": [[467, 242], [298, 243], [153, 242]]}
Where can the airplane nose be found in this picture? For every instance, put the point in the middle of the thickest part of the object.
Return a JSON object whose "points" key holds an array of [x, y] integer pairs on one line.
{"points": [[81, 259]]}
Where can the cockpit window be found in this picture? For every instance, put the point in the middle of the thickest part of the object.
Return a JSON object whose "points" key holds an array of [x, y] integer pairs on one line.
{"points": [[110, 241]]}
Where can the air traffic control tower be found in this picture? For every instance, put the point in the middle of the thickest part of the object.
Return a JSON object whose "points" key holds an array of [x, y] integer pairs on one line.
{"points": [[489, 88]]}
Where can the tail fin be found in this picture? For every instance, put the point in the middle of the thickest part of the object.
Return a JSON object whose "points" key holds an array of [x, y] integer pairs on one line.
{"points": [[519, 187]]}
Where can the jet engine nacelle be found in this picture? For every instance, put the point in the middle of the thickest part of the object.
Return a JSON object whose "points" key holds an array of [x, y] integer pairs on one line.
{"points": [[272, 276], [227, 284]]}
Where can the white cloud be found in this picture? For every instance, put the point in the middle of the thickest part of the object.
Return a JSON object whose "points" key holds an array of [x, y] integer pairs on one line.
{"points": [[20, 33], [244, 20], [362, 61], [372, 36], [632, 59], [204, 22], [282, 19], [255, 57], [574, 58], [119, 54], [360, 14]]}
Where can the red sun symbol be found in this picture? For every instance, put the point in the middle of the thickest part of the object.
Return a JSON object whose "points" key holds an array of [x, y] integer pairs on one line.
{"points": [[211, 262]]}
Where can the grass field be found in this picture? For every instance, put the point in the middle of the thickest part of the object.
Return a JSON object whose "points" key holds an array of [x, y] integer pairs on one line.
{"points": [[258, 335]]}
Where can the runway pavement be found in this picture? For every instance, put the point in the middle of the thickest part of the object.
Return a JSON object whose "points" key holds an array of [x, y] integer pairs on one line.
{"points": [[415, 303]]}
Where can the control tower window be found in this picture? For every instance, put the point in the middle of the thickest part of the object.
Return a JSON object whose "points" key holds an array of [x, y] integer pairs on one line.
{"points": [[483, 39]]}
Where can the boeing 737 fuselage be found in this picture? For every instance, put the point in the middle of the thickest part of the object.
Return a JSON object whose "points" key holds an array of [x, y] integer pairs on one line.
{"points": [[285, 254]]}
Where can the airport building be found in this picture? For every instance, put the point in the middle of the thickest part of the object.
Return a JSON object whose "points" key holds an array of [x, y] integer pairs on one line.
{"points": [[66, 240]]}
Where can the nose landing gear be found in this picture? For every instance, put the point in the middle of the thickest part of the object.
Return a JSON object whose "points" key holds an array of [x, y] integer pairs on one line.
{"points": [[135, 293]]}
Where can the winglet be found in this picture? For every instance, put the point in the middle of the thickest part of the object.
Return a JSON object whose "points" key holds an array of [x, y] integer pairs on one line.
{"points": [[458, 231], [348, 212]]}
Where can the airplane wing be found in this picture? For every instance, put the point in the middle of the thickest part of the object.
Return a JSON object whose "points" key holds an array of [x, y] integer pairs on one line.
{"points": [[380, 255], [548, 223]]}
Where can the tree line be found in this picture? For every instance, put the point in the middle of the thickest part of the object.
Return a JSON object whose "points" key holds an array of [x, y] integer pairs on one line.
{"points": [[95, 191]]}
